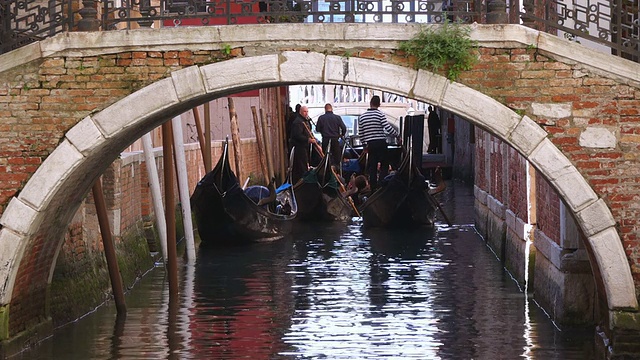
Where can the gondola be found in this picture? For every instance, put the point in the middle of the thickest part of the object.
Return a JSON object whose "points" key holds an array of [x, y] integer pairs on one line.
{"points": [[319, 197], [226, 214], [403, 200]]}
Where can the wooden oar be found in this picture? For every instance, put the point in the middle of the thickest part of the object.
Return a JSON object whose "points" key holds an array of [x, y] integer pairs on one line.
{"points": [[342, 188], [441, 186]]}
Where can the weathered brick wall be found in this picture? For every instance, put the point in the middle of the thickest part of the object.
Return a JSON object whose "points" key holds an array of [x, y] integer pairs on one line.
{"points": [[517, 188], [547, 209], [479, 160], [497, 171]]}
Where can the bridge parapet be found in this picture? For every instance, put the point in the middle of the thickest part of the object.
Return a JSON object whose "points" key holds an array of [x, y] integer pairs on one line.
{"points": [[611, 25]]}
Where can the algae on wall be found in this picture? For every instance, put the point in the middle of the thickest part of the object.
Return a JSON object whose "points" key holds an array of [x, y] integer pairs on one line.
{"points": [[81, 283]]}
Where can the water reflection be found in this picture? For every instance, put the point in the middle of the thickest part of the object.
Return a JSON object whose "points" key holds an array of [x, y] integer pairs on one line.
{"points": [[331, 292]]}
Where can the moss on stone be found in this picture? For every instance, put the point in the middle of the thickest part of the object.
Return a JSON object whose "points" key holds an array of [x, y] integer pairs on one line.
{"points": [[4, 322], [627, 320], [78, 286]]}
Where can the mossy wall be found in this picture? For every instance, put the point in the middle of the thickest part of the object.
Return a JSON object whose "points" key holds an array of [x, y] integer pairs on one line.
{"points": [[77, 287]]}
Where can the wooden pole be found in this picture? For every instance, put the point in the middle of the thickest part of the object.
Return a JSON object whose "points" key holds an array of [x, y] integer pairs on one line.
{"points": [[262, 149], [267, 142], [109, 248], [201, 141], [183, 188], [156, 193], [282, 137], [235, 136], [170, 210], [207, 136]]}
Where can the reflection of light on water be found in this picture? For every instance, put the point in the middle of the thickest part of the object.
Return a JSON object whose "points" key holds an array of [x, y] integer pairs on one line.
{"points": [[527, 233], [527, 317], [356, 314]]}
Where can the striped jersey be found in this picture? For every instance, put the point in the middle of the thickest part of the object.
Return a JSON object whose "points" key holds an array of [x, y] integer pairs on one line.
{"points": [[373, 125]]}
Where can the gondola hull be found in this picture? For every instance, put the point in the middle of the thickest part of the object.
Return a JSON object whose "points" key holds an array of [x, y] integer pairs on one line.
{"points": [[318, 204], [226, 215], [404, 201], [318, 196]]}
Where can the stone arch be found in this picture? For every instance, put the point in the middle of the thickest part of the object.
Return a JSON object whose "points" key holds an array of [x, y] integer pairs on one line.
{"points": [[54, 192]]}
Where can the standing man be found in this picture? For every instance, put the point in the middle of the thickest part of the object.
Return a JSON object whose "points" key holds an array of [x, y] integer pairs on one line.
{"points": [[300, 140], [435, 131], [332, 128], [373, 128]]}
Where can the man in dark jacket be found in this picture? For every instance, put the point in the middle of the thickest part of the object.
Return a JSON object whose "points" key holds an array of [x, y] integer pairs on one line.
{"points": [[300, 140], [332, 128]]}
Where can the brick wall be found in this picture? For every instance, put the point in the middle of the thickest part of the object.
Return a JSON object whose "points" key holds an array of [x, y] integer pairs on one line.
{"points": [[547, 209], [517, 189]]}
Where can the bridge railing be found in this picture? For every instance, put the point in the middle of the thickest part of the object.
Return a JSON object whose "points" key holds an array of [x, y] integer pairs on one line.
{"points": [[612, 25]]}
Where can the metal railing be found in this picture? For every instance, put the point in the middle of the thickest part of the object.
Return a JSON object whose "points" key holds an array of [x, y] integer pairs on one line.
{"points": [[612, 25]]}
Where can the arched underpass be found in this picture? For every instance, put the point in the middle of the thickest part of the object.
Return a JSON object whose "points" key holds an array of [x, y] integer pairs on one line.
{"points": [[34, 221]]}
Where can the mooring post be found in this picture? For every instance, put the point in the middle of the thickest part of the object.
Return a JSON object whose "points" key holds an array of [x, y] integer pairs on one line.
{"points": [[109, 248], [170, 209], [183, 187], [156, 192], [207, 136]]}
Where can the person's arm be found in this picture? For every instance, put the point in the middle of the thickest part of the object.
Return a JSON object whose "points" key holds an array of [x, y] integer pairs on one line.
{"points": [[343, 127], [389, 129], [320, 125]]}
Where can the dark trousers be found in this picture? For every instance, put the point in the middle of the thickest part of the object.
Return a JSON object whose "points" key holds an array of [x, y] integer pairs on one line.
{"points": [[377, 151], [335, 149], [300, 163]]}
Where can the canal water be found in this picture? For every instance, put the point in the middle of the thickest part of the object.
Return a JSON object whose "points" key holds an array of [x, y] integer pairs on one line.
{"points": [[332, 292]]}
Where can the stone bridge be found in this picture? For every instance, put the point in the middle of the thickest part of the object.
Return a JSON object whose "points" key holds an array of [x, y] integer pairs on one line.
{"points": [[71, 103]]}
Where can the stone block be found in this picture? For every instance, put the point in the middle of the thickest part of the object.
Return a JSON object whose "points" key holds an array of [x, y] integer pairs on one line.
{"points": [[567, 298], [50, 175], [20, 56], [85, 136], [430, 87], [517, 256], [526, 136], [614, 269], [481, 214], [20, 218], [496, 234], [496, 207], [480, 109], [228, 76], [598, 138], [300, 66], [11, 247], [551, 110], [575, 190], [595, 218], [188, 83], [480, 195], [550, 161], [150, 101], [370, 73]]}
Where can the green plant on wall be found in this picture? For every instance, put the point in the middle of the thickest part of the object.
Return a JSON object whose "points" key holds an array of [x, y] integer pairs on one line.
{"points": [[447, 46]]}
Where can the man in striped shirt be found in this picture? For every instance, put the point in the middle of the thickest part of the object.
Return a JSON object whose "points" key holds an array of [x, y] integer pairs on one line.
{"points": [[373, 129]]}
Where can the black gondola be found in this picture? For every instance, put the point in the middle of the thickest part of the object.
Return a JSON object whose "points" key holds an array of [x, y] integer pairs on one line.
{"points": [[225, 214], [319, 197], [403, 199]]}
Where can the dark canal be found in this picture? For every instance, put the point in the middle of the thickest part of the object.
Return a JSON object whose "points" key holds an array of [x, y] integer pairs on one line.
{"points": [[332, 292]]}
